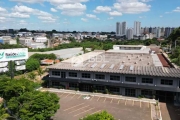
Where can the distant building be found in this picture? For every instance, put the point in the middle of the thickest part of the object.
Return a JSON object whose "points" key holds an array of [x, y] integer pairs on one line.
{"points": [[121, 28], [130, 34], [137, 28], [118, 30], [40, 39], [158, 35]]}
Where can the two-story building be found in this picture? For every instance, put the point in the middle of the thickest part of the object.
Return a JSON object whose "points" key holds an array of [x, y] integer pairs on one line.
{"points": [[140, 73]]}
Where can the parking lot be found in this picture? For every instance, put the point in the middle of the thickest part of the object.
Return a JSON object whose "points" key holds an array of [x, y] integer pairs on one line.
{"points": [[74, 106]]}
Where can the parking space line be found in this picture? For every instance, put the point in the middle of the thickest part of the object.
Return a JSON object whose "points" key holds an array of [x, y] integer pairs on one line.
{"points": [[79, 96], [73, 107], [119, 101], [91, 98], [67, 95], [73, 95], [111, 100], [140, 103], [133, 103], [95, 112], [83, 112], [61, 94], [98, 99], [149, 104], [104, 99], [78, 109]]}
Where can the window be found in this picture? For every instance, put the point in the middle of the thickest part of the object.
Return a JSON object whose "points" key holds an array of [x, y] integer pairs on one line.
{"points": [[166, 82], [86, 75], [146, 93], [147, 80], [99, 76], [115, 78], [73, 85], [63, 74], [56, 73], [130, 79], [72, 74], [114, 89], [100, 88], [55, 83], [130, 92]]}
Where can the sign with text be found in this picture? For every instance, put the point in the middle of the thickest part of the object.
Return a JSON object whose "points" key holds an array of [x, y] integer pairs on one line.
{"points": [[13, 54]]}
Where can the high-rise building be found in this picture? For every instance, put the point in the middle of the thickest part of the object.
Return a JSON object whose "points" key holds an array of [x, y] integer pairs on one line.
{"points": [[123, 28], [158, 35], [137, 28], [167, 31], [118, 30], [130, 34], [150, 30]]}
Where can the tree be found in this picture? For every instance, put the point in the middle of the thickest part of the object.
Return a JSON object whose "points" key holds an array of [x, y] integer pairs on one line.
{"points": [[34, 105], [32, 76], [99, 116], [40, 71], [3, 114], [32, 64]]}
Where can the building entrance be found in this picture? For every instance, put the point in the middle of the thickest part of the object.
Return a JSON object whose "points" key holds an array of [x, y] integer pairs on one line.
{"points": [[165, 96], [130, 92], [85, 87]]}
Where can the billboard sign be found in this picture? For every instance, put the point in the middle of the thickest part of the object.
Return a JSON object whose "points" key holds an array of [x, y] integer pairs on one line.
{"points": [[3, 64], [13, 54], [22, 67], [3, 70]]}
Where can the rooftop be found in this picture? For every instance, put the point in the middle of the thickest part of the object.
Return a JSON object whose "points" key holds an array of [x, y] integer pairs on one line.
{"points": [[114, 62]]}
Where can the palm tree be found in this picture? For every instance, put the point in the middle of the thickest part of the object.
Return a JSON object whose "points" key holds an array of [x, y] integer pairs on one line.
{"points": [[32, 76], [40, 71]]}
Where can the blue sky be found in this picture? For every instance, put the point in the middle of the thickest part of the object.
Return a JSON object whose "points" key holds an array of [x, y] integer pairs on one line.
{"points": [[87, 15]]}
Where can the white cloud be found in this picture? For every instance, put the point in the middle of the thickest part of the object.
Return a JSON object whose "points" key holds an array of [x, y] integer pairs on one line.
{"points": [[92, 16], [84, 19], [18, 15], [22, 22], [131, 6], [110, 18], [115, 13], [3, 9], [177, 9], [58, 2], [160, 16], [75, 9], [24, 11], [53, 10], [146, 0], [29, 1], [100, 9], [142, 17], [47, 19]]}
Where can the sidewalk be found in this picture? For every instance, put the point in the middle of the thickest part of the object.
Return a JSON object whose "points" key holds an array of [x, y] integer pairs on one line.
{"points": [[99, 95]]}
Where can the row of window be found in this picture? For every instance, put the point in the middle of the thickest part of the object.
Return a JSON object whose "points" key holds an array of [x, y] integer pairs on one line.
{"points": [[114, 78]]}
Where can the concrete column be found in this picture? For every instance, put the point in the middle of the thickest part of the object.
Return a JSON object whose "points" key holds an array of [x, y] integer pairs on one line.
{"points": [[123, 91]]}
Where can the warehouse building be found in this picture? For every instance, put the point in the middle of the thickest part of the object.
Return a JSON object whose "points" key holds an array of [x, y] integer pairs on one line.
{"points": [[126, 70]]}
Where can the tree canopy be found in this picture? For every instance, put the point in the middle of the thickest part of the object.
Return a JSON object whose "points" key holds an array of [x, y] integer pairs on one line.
{"points": [[174, 35], [99, 116], [25, 102]]}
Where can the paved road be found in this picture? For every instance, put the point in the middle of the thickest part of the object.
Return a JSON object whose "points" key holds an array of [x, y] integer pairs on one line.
{"points": [[63, 53]]}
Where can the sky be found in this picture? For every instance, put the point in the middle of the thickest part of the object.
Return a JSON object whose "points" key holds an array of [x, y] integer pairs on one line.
{"points": [[87, 15]]}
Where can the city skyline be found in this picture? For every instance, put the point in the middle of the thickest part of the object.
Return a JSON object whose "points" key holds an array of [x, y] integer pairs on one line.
{"points": [[83, 15]]}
